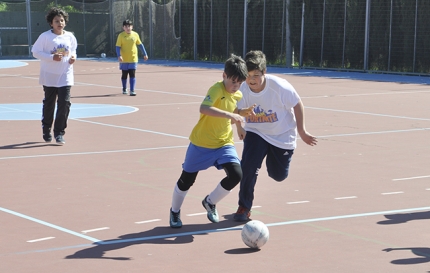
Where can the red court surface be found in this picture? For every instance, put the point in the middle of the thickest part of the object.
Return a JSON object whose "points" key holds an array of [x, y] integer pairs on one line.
{"points": [[356, 202]]}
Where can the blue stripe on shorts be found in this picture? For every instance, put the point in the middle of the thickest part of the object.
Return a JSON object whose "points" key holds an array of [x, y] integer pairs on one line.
{"points": [[199, 158]]}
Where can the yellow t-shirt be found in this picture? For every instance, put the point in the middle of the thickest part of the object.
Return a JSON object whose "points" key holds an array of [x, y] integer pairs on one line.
{"points": [[214, 132], [128, 43]]}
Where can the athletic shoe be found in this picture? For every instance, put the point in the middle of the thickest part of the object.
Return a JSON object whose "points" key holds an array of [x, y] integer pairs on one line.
{"points": [[175, 219], [59, 139], [132, 93], [212, 212], [47, 137], [124, 91], [242, 214]]}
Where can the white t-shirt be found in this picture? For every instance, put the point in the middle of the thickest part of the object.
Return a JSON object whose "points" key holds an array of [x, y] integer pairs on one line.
{"points": [[274, 121], [55, 73]]}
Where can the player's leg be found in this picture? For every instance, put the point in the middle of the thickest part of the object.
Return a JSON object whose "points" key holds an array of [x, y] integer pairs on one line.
{"points": [[184, 183], [233, 176], [63, 110], [132, 74], [124, 74], [48, 109], [278, 162], [254, 150]]}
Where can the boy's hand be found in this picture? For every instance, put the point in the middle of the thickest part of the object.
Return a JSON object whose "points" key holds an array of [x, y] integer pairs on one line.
{"points": [[120, 59], [236, 118], [240, 131], [145, 58], [308, 138], [58, 57], [72, 60], [245, 112]]}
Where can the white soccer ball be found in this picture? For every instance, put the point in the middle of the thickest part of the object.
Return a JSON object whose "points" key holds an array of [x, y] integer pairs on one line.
{"points": [[255, 234], [103, 55]]}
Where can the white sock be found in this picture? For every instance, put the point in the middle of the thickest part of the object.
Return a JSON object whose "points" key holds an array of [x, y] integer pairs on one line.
{"points": [[178, 198], [217, 194]]}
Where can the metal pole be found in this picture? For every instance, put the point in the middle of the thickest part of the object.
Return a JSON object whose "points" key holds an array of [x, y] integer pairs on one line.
{"points": [[302, 35], [210, 47], [415, 35], [366, 36], [322, 36], [228, 26], [389, 41], [151, 32], [289, 58], [28, 13], [195, 29], [264, 24], [344, 35], [245, 10]]}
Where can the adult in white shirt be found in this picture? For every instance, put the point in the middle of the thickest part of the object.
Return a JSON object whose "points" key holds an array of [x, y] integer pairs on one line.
{"points": [[271, 132], [56, 50]]}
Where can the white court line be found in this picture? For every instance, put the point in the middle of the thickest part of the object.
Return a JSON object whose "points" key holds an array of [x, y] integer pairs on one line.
{"points": [[39, 240], [297, 202], [346, 197], [148, 221], [390, 193], [49, 224], [367, 113], [94, 229], [410, 178], [91, 153]]}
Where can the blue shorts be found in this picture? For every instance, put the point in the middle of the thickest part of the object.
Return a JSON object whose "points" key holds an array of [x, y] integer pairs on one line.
{"points": [[127, 66], [199, 158]]}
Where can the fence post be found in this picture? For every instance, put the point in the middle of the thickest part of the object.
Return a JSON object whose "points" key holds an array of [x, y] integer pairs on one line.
{"points": [[28, 12], [288, 49], [245, 9], [366, 36], [195, 30], [302, 35]]}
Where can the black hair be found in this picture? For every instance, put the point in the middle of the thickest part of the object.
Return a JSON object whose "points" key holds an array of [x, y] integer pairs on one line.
{"points": [[235, 68], [54, 11], [127, 23], [255, 60]]}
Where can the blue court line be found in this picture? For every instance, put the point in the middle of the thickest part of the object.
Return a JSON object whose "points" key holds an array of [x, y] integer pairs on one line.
{"points": [[49, 225]]}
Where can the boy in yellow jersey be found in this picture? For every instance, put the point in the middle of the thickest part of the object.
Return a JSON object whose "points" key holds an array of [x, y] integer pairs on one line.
{"points": [[126, 49], [212, 141]]}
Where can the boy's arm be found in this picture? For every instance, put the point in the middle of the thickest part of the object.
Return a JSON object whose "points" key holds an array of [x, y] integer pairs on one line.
{"points": [[118, 53], [240, 130], [215, 112], [142, 48], [299, 112]]}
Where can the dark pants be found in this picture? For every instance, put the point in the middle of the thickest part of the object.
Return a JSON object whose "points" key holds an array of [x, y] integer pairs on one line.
{"points": [[255, 149], [63, 109]]}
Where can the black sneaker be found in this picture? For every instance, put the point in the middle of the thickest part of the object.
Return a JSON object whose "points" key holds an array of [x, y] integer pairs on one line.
{"points": [[211, 209], [132, 93], [47, 137], [242, 214], [124, 91], [175, 219], [60, 140]]}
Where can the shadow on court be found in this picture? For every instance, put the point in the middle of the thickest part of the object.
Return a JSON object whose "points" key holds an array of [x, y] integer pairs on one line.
{"points": [[404, 217], [422, 252], [27, 145], [157, 235]]}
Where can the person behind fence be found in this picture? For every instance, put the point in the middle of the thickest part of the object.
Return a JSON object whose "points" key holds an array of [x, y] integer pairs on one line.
{"points": [[126, 49], [271, 133], [56, 50], [211, 142]]}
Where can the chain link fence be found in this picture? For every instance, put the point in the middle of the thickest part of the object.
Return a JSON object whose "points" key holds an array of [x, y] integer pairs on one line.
{"points": [[364, 35]]}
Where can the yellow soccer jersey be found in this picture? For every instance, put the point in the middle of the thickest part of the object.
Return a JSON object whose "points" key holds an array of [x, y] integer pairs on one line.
{"points": [[128, 43], [214, 132]]}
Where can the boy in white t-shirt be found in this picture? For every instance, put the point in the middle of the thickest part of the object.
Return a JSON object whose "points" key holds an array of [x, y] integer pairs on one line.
{"points": [[56, 50], [272, 132]]}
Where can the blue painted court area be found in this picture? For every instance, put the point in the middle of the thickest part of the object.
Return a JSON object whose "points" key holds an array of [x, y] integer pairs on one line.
{"points": [[33, 111], [11, 63]]}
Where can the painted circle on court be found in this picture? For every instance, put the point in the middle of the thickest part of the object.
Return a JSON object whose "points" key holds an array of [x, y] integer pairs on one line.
{"points": [[33, 111]]}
